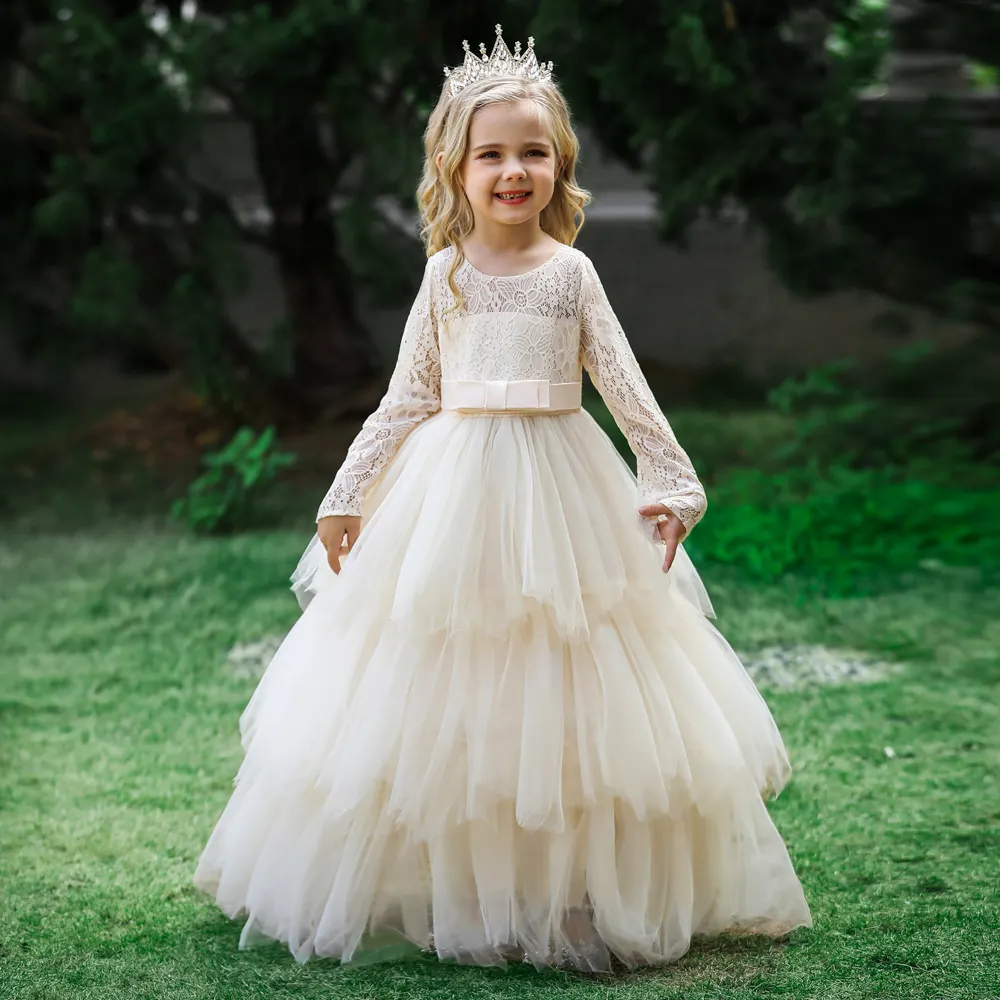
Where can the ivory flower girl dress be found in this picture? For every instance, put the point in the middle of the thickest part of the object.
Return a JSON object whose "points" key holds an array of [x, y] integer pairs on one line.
{"points": [[502, 731]]}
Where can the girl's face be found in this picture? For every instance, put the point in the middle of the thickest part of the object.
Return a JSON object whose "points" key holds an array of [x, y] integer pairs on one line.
{"points": [[509, 153]]}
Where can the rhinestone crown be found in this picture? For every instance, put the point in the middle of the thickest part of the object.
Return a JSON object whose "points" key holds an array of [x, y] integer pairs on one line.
{"points": [[500, 62]]}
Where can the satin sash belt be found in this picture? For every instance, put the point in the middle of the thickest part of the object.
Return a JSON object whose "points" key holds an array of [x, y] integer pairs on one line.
{"points": [[521, 394]]}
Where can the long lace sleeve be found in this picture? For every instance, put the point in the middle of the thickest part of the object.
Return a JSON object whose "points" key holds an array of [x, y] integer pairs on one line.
{"points": [[665, 472], [414, 393]]}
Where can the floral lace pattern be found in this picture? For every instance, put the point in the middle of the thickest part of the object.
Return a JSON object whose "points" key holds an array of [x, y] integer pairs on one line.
{"points": [[546, 323], [511, 346]]}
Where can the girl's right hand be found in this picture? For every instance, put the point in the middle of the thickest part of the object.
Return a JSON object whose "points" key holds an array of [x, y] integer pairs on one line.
{"points": [[671, 529], [338, 533]]}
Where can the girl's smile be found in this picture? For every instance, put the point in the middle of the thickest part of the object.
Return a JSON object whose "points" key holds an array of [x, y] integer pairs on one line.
{"points": [[513, 197]]}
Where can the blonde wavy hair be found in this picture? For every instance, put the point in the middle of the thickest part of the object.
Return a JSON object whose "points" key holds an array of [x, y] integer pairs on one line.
{"points": [[445, 213]]}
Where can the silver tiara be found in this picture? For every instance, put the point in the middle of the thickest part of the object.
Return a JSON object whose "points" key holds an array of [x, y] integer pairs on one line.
{"points": [[500, 62]]}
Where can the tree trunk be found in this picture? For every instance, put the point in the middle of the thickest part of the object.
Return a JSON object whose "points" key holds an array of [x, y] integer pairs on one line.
{"points": [[333, 355], [245, 388]]}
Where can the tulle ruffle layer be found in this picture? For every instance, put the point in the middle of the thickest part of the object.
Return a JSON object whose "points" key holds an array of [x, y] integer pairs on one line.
{"points": [[480, 519], [608, 884], [502, 728]]}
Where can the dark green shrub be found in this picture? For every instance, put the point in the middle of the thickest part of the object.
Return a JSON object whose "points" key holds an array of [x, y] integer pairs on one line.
{"points": [[928, 406], [839, 524], [847, 480]]}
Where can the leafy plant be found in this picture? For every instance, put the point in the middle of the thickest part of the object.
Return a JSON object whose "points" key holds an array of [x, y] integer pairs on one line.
{"points": [[223, 498], [927, 409], [889, 477], [839, 524]]}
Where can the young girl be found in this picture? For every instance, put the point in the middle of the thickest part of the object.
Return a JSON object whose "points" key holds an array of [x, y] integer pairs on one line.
{"points": [[498, 729]]}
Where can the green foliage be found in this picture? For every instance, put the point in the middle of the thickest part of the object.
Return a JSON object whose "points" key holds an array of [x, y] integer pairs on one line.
{"points": [[841, 525], [116, 234], [110, 156], [108, 302], [838, 423], [984, 77], [846, 481], [766, 107], [93, 143], [223, 498], [63, 214], [929, 406], [865, 479]]}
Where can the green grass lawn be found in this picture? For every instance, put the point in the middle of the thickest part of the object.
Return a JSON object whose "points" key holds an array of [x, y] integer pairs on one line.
{"points": [[119, 743]]}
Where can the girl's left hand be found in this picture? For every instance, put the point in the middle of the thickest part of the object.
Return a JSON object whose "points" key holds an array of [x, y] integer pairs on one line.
{"points": [[671, 530]]}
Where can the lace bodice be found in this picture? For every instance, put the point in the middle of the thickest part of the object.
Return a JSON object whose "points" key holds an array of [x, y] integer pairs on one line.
{"points": [[545, 324]]}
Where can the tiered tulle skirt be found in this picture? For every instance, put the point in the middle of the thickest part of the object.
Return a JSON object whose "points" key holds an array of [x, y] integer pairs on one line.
{"points": [[502, 731]]}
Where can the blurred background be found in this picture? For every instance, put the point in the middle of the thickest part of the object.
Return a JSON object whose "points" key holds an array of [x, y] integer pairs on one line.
{"points": [[209, 249], [211, 228]]}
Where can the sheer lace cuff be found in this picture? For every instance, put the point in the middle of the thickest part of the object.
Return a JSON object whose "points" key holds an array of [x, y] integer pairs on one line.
{"points": [[689, 512]]}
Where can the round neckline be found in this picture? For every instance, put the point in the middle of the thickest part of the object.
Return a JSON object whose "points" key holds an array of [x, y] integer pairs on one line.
{"points": [[505, 277]]}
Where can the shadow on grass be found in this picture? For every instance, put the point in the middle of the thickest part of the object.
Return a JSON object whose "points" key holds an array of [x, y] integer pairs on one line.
{"points": [[728, 960]]}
